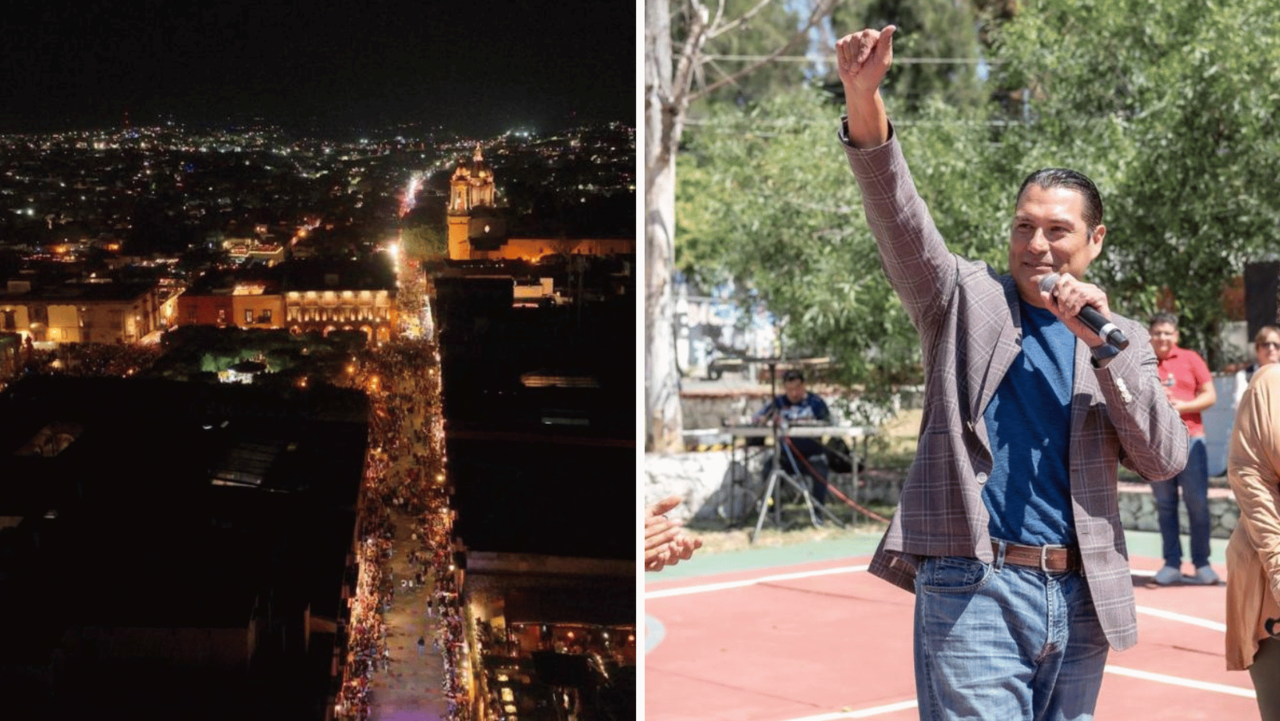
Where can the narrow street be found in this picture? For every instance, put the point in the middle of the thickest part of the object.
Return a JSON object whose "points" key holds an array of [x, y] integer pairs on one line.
{"points": [[411, 688], [407, 590]]}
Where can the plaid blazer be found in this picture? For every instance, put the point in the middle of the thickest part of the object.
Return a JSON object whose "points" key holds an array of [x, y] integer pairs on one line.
{"points": [[970, 332]]}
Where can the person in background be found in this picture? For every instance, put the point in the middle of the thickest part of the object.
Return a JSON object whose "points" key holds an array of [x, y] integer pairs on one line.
{"points": [[665, 543], [1189, 386], [799, 405], [1253, 553], [1266, 349]]}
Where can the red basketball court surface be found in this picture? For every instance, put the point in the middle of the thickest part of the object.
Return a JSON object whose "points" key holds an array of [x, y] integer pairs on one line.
{"points": [[804, 633]]}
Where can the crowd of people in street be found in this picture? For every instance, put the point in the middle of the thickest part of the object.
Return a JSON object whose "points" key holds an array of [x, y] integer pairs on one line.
{"points": [[404, 475], [96, 360]]}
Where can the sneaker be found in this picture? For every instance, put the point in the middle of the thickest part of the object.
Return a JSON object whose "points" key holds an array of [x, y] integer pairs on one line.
{"points": [[1205, 576], [1169, 575]]}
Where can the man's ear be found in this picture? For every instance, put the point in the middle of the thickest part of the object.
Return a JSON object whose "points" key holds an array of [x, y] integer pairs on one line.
{"points": [[1095, 240]]}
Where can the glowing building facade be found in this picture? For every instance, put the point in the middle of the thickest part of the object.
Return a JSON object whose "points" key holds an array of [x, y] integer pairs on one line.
{"points": [[80, 312]]}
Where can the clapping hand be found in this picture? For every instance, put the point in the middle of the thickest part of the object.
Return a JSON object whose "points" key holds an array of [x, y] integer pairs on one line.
{"points": [[664, 541]]}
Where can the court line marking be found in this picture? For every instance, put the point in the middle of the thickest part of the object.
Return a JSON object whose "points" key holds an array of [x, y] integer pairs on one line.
{"points": [[1171, 616], [1183, 618], [708, 587], [861, 713], [654, 632], [1117, 670], [1184, 682], [689, 590]]}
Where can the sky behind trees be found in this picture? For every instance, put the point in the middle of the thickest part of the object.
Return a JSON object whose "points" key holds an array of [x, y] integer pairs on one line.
{"points": [[472, 67]]}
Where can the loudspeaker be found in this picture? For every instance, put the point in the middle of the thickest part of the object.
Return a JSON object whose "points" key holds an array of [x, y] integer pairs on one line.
{"points": [[1261, 293]]}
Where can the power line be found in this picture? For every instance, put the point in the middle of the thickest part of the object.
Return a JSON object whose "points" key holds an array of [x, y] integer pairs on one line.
{"points": [[823, 122], [832, 57]]}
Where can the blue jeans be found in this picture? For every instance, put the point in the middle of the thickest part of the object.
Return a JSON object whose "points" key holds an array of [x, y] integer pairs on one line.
{"points": [[1005, 642], [1194, 481]]}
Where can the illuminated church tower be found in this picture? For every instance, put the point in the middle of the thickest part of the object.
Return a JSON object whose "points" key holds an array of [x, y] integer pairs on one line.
{"points": [[470, 187]]}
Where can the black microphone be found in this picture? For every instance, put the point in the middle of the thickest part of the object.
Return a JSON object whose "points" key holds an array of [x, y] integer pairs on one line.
{"points": [[1090, 316]]}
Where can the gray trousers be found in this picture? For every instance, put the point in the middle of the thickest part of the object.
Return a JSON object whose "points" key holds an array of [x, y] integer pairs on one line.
{"points": [[1265, 673]]}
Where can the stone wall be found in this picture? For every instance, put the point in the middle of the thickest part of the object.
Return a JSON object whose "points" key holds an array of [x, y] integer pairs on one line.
{"points": [[704, 480], [710, 409], [1138, 510]]}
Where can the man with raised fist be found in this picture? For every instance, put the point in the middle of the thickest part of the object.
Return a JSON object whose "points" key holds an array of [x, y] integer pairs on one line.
{"points": [[1007, 529]]}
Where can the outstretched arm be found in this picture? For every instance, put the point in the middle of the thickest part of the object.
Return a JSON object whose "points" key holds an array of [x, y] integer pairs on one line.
{"points": [[914, 256]]}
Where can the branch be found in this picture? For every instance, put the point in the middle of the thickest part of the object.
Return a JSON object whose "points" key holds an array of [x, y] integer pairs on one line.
{"points": [[712, 63], [672, 100], [690, 58], [743, 19], [823, 9]]}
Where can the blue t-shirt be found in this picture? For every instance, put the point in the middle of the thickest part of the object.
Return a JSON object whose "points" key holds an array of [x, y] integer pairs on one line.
{"points": [[1028, 492], [811, 408]]}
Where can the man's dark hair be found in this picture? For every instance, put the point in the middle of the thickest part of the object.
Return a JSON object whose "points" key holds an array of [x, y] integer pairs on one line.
{"points": [[1047, 178], [1163, 319], [792, 375]]}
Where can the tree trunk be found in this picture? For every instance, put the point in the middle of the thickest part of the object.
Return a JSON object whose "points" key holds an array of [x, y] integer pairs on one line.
{"points": [[663, 418], [662, 383]]}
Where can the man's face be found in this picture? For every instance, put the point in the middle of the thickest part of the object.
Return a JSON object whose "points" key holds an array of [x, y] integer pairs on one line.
{"points": [[795, 390], [1163, 338], [1049, 235]]}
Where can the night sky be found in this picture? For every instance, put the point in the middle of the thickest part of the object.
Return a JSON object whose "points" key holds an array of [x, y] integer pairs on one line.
{"points": [[469, 66]]}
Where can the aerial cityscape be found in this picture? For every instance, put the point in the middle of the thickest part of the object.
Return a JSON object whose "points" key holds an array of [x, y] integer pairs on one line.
{"points": [[314, 416]]}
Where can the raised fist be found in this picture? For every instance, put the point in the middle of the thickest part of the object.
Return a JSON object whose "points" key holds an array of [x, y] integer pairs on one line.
{"points": [[864, 57]]}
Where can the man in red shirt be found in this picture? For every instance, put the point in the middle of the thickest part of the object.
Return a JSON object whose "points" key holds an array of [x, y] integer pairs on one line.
{"points": [[1189, 386]]}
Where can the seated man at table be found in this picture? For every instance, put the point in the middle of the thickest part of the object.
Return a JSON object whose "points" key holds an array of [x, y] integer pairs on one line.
{"points": [[799, 406]]}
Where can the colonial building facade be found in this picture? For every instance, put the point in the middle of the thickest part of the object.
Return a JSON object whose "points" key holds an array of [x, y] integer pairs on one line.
{"points": [[372, 312], [80, 312]]}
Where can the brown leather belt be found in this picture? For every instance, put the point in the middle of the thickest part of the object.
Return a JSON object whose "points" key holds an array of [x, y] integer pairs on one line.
{"points": [[1045, 558]]}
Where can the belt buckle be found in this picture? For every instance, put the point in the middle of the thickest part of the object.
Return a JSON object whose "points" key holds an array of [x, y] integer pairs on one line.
{"points": [[1044, 557]]}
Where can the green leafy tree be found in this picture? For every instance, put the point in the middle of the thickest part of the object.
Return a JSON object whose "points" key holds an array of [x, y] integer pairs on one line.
{"points": [[425, 241]]}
